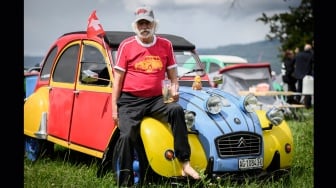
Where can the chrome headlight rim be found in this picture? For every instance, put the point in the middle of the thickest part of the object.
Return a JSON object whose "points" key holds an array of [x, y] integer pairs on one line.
{"points": [[214, 104], [275, 115], [189, 117], [250, 103]]}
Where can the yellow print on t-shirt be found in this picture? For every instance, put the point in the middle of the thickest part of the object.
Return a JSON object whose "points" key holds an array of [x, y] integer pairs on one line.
{"points": [[149, 64]]}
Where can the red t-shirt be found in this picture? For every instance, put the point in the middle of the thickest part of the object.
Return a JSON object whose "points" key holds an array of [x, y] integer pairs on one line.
{"points": [[144, 65]]}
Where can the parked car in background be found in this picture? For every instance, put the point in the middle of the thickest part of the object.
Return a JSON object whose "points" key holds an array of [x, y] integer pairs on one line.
{"points": [[213, 63], [70, 106], [30, 79], [29, 82], [257, 77]]}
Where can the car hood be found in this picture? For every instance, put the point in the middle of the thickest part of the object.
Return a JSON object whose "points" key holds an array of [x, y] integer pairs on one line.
{"points": [[231, 119]]}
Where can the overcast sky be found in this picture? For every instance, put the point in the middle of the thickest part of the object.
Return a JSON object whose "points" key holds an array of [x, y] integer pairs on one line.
{"points": [[206, 23]]}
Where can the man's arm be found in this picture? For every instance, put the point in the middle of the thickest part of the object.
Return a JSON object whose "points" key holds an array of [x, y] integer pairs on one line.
{"points": [[172, 75], [116, 90]]}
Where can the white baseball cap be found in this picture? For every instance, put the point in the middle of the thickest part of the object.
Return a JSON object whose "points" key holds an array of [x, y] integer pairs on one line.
{"points": [[144, 13]]}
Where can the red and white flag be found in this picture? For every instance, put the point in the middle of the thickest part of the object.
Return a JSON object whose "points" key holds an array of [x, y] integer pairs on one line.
{"points": [[94, 28]]}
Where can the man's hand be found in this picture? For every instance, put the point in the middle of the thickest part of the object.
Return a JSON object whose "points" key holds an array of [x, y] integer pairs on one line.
{"points": [[115, 118], [115, 113], [174, 92]]}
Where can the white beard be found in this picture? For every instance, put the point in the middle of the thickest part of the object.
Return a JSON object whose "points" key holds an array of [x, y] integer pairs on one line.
{"points": [[144, 33]]}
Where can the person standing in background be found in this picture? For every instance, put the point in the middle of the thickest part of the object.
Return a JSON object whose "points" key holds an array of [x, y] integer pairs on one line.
{"points": [[288, 78], [303, 65]]}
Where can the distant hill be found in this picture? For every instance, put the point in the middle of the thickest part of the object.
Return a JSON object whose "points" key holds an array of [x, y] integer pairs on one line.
{"points": [[263, 51], [31, 61]]}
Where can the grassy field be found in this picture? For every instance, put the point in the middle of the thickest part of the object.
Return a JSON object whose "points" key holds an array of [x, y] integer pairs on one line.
{"points": [[70, 169]]}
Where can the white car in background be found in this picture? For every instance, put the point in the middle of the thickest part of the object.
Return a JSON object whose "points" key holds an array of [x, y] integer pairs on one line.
{"points": [[213, 63]]}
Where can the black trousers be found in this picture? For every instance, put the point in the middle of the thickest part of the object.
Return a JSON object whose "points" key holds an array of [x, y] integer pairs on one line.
{"points": [[131, 111]]}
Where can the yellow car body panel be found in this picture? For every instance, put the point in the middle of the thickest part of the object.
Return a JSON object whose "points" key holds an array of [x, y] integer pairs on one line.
{"points": [[274, 139], [35, 105], [157, 139], [76, 147]]}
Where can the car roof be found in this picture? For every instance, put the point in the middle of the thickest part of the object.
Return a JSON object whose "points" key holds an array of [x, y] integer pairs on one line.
{"points": [[246, 66], [223, 58], [114, 38]]}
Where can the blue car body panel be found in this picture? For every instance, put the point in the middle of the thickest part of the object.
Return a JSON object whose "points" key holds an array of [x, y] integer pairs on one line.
{"points": [[30, 82]]}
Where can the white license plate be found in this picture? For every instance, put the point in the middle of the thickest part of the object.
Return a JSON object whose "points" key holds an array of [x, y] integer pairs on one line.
{"points": [[250, 163]]}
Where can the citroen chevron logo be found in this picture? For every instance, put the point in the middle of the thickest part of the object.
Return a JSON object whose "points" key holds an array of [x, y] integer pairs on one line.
{"points": [[241, 142]]}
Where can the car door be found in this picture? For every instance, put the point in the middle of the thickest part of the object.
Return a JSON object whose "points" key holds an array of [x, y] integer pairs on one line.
{"points": [[92, 123], [61, 93]]}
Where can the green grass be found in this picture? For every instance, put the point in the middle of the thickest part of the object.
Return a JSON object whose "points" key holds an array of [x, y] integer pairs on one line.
{"points": [[70, 169]]}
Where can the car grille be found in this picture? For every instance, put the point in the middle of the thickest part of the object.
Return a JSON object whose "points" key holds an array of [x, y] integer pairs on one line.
{"points": [[238, 144]]}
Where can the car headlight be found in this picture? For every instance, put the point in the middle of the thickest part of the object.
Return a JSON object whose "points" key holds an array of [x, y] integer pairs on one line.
{"points": [[214, 104], [275, 115], [250, 103], [189, 118]]}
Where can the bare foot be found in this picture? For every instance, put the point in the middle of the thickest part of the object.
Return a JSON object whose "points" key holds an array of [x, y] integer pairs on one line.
{"points": [[188, 170]]}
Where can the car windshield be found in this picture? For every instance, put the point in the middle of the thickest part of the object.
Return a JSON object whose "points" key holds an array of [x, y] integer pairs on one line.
{"points": [[187, 62]]}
